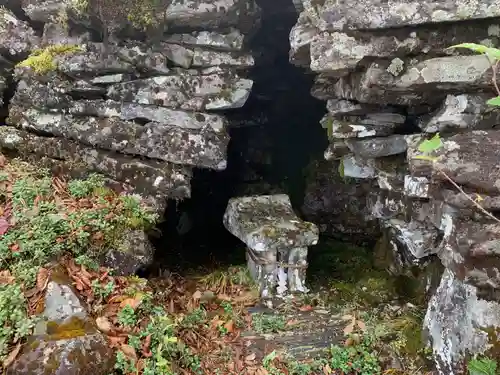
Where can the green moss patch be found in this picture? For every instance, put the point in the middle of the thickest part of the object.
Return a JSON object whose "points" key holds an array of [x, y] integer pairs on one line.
{"points": [[42, 61]]}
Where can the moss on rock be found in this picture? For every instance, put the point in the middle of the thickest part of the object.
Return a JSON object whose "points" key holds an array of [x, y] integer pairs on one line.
{"points": [[42, 61]]}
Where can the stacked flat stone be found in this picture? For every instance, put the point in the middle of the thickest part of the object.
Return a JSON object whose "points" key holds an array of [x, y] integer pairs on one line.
{"points": [[390, 82], [141, 114]]}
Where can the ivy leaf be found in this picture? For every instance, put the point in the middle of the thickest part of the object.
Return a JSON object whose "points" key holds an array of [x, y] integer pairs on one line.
{"points": [[479, 48], [430, 145], [494, 101]]}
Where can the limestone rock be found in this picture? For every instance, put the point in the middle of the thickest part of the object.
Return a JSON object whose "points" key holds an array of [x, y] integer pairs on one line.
{"points": [[45, 10], [369, 14], [179, 55], [58, 34], [419, 238], [358, 168], [196, 148], [111, 108], [340, 129], [193, 93], [205, 58], [378, 147], [470, 159], [267, 222], [67, 340], [196, 15], [232, 41], [16, 36], [147, 176], [421, 81], [457, 323], [469, 250], [463, 111], [132, 253], [338, 207], [301, 36]]}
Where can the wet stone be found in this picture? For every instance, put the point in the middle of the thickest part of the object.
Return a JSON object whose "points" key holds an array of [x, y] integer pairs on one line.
{"points": [[471, 159], [378, 147], [465, 111]]}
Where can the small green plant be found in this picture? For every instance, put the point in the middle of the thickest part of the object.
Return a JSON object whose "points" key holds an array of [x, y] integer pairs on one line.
{"points": [[102, 291], [14, 318], [127, 317], [359, 359], [266, 323], [482, 366]]}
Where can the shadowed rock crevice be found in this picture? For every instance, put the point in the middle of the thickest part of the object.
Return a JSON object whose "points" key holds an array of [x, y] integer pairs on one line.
{"points": [[273, 139]]}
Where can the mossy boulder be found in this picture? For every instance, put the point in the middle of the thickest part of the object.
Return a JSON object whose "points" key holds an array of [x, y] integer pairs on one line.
{"points": [[65, 341]]}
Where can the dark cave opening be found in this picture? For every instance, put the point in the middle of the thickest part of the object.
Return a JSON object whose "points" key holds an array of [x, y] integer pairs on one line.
{"points": [[273, 138]]}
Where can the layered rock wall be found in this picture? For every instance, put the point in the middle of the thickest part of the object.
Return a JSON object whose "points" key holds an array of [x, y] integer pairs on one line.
{"points": [[143, 112], [390, 83]]}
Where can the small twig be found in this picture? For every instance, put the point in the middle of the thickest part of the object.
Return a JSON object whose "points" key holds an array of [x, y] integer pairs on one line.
{"points": [[481, 208]]}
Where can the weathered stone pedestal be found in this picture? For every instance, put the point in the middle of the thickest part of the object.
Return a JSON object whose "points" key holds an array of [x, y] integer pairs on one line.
{"points": [[277, 241]]}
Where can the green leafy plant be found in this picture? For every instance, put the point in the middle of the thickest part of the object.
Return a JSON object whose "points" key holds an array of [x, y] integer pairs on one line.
{"points": [[359, 359], [267, 323], [482, 366]]}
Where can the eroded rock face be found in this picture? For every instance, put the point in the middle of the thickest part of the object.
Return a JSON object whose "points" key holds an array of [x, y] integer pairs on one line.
{"points": [[391, 83], [67, 340], [458, 322], [143, 114]]}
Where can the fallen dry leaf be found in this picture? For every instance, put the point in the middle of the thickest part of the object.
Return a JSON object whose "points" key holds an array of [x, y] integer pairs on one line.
{"points": [[229, 326], [327, 370], [4, 226], [104, 324], [12, 356], [197, 295], [361, 325], [250, 358], [128, 351], [42, 279], [6, 277], [306, 308], [132, 302], [3, 160]]}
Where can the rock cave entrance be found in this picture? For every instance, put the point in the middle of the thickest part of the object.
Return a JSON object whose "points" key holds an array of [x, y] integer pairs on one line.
{"points": [[273, 139]]}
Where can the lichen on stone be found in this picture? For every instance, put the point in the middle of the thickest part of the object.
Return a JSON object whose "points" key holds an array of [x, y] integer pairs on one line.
{"points": [[42, 61]]}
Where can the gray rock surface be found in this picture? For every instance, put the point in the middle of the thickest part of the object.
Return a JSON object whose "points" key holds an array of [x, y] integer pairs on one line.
{"points": [[339, 14], [16, 36], [457, 322], [391, 83], [133, 253], [67, 340], [145, 175], [268, 222]]}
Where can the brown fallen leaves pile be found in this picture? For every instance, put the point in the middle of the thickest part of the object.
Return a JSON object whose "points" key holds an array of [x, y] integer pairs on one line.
{"points": [[220, 353]]}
